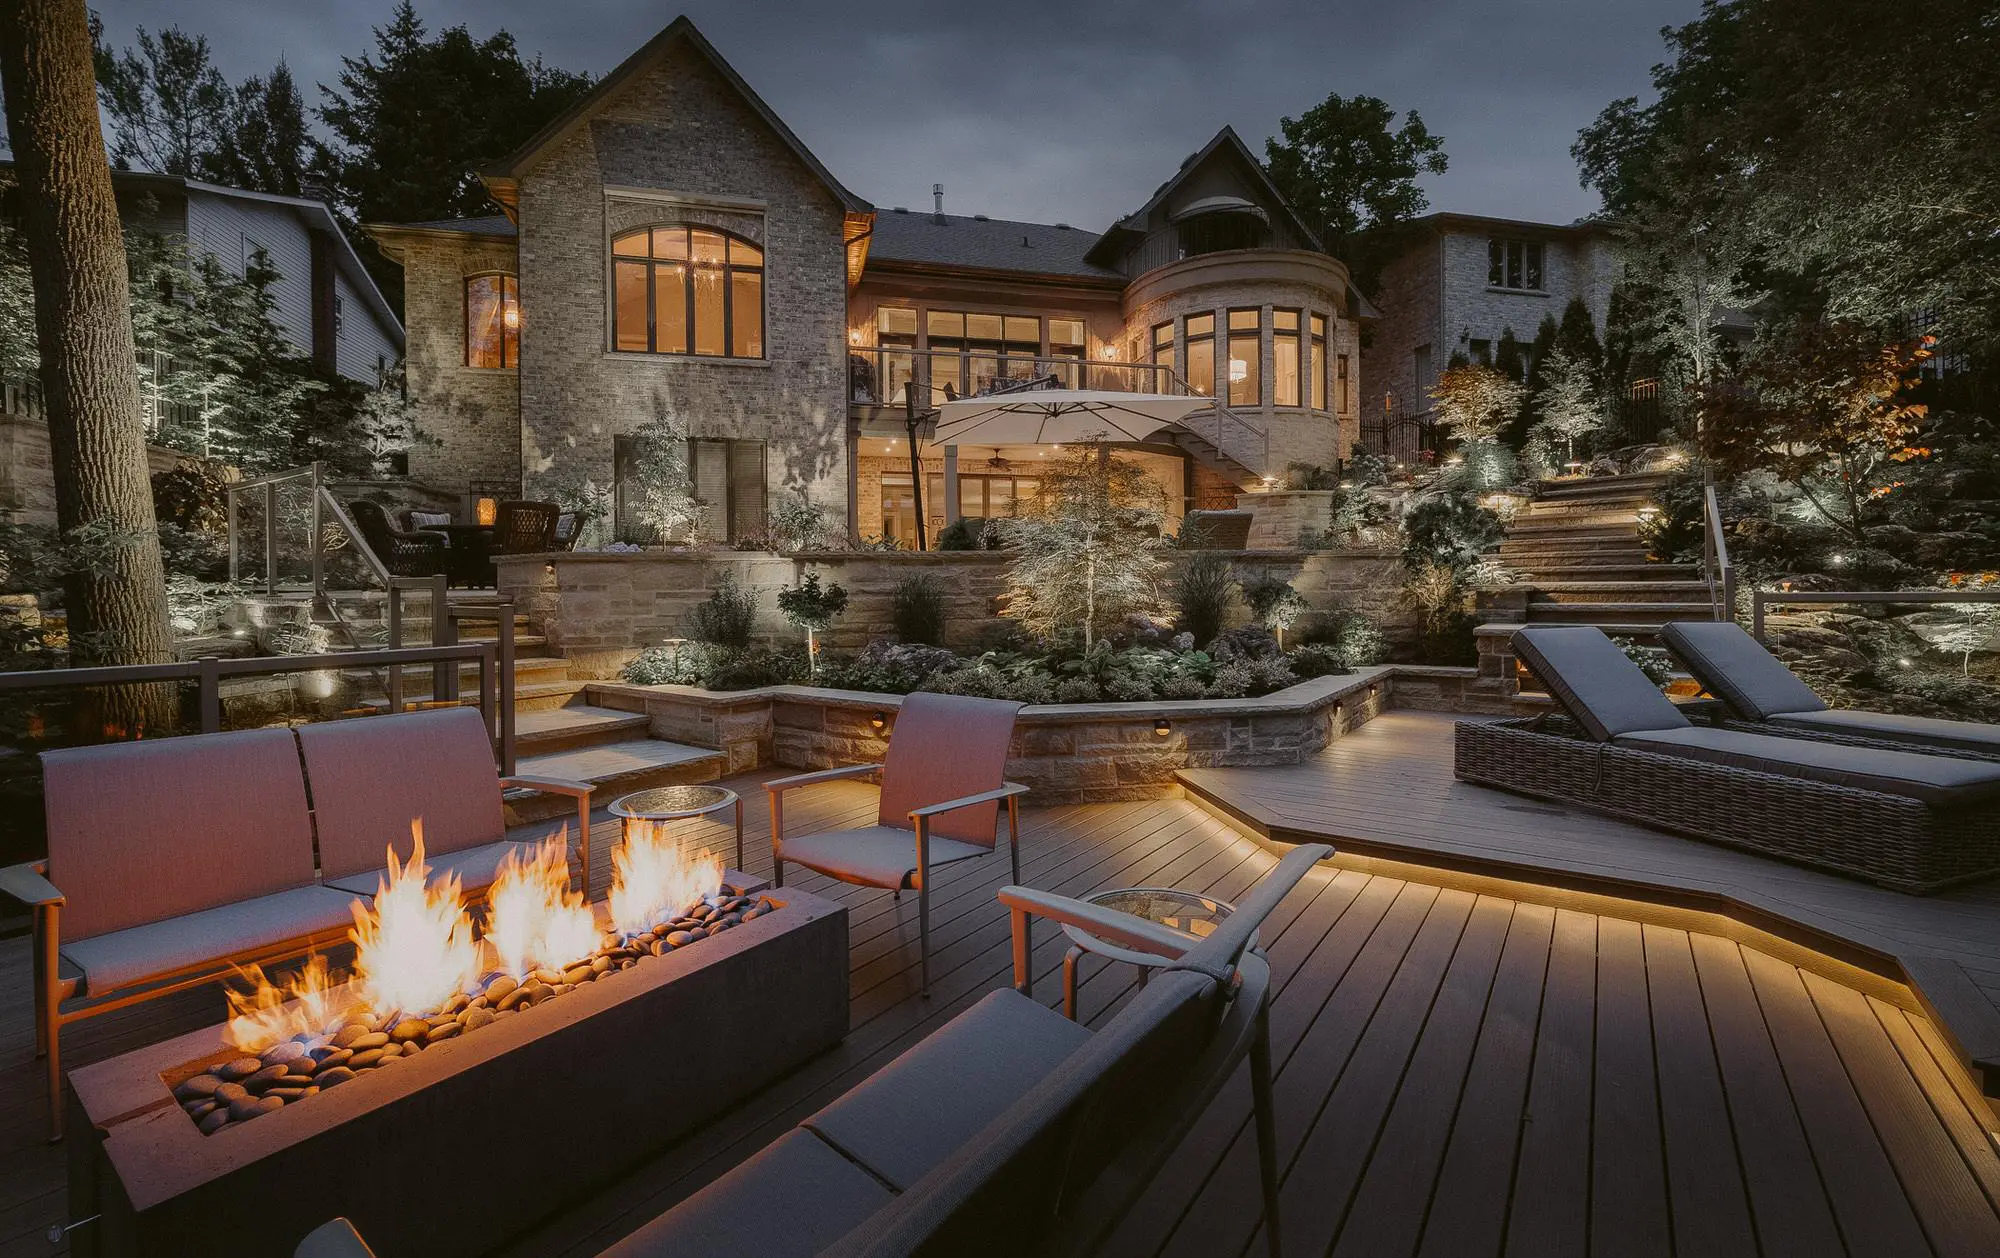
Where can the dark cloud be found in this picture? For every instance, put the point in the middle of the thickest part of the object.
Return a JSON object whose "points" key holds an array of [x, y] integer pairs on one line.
{"points": [[1042, 110]]}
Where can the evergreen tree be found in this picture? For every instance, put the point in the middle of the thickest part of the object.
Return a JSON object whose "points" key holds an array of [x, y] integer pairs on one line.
{"points": [[167, 103], [263, 145]]}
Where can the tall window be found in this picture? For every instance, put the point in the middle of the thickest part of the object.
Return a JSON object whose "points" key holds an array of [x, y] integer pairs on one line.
{"points": [[492, 321], [989, 348], [1340, 401], [1201, 354], [1163, 355], [1066, 342], [1514, 264], [728, 476], [1285, 356], [1318, 365], [896, 334], [687, 290], [1246, 358]]}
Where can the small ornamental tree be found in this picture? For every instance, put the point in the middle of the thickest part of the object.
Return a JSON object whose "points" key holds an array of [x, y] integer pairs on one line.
{"points": [[812, 608], [1475, 402], [662, 482], [1087, 548], [1569, 403], [1274, 603], [1822, 406]]}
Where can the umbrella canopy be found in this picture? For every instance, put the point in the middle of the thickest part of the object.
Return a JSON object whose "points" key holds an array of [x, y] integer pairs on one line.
{"points": [[1045, 416]]}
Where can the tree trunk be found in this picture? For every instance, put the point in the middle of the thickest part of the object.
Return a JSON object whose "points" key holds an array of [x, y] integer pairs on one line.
{"points": [[83, 326]]}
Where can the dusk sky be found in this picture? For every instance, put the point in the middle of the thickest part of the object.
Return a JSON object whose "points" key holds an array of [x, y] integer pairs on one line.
{"points": [[1061, 111]]}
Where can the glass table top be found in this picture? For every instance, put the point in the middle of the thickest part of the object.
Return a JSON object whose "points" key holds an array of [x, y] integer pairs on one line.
{"points": [[664, 803]]}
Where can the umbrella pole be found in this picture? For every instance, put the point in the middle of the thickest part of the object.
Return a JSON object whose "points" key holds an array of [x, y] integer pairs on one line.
{"points": [[916, 464]]}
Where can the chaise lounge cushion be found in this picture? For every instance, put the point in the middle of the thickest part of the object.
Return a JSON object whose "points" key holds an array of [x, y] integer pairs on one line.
{"points": [[908, 1117], [372, 777], [873, 856], [1956, 735], [1736, 669], [1590, 677], [791, 1200], [239, 930], [1939, 781], [475, 868]]}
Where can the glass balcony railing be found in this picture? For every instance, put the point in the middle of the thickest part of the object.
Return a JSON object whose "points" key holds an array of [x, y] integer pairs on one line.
{"points": [[883, 376]]}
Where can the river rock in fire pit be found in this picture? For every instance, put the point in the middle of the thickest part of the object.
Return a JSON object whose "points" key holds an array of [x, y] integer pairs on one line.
{"points": [[327, 1058], [440, 1033], [264, 1078], [373, 1039], [499, 989], [214, 1121], [279, 1054], [228, 1092], [333, 1076], [347, 1035], [238, 1070], [250, 1107], [368, 1057], [199, 1088], [476, 1018], [409, 1029]]}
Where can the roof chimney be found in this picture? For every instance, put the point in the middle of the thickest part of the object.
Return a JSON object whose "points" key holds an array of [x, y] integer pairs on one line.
{"points": [[937, 203]]}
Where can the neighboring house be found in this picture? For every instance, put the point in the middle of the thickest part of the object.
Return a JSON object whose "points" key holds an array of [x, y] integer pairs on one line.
{"points": [[670, 249], [1457, 285]]}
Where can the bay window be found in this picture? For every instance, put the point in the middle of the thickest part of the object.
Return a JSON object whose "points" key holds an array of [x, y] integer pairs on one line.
{"points": [[1285, 357], [1246, 357], [1201, 354]]}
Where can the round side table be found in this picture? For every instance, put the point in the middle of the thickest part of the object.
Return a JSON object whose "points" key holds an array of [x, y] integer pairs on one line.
{"points": [[1183, 912], [677, 803]]}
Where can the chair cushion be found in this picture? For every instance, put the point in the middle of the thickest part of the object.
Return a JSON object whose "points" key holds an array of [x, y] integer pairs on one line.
{"points": [[909, 1116], [874, 856], [159, 828], [476, 868], [125, 957], [429, 519], [1593, 681], [946, 747], [371, 777], [1735, 668], [1935, 780], [1957, 735], [793, 1198]]}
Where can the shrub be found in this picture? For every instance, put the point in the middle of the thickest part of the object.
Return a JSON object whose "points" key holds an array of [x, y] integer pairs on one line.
{"points": [[728, 617], [683, 664], [916, 610], [968, 533], [1203, 592], [1310, 476], [1355, 639], [1246, 642], [798, 523], [1317, 660], [1452, 529], [890, 667], [1273, 602], [759, 666]]}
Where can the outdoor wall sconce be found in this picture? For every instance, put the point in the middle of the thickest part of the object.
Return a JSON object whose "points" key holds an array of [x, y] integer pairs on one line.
{"points": [[512, 317], [487, 509], [1162, 727], [878, 722]]}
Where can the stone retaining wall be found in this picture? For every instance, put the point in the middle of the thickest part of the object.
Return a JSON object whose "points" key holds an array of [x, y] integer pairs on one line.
{"points": [[600, 610]]}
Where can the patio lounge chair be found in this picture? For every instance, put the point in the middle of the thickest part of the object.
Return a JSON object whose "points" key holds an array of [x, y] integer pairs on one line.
{"points": [[404, 552], [1905, 820], [1012, 1129], [371, 778], [1767, 697], [942, 782]]}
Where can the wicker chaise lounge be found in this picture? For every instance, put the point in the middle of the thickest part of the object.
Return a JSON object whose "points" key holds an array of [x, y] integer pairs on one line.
{"points": [[1766, 697], [1901, 819]]}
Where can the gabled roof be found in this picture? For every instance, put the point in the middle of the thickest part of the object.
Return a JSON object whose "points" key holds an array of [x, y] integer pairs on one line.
{"points": [[1125, 229], [1445, 220], [502, 178], [958, 242]]}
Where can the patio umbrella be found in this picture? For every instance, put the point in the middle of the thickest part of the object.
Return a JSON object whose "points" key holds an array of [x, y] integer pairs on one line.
{"points": [[1045, 416]]}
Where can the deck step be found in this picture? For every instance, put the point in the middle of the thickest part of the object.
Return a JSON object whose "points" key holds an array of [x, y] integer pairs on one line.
{"points": [[577, 725], [612, 769]]}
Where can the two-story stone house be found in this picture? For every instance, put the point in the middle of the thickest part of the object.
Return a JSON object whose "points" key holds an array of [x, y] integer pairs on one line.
{"points": [[1459, 282], [670, 248]]}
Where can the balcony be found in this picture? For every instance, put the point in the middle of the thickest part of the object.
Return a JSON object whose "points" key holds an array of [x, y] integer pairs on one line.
{"points": [[883, 375]]}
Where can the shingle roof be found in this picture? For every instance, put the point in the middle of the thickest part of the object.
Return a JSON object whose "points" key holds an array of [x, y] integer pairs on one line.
{"points": [[487, 225], [988, 244]]}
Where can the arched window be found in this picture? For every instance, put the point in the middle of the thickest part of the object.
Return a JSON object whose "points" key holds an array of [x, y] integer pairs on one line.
{"points": [[687, 290], [492, 321]]}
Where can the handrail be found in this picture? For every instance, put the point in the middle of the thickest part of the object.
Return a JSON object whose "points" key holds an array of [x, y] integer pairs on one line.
{"points": [[1760, 599], [1717, 571], [499, 609]]}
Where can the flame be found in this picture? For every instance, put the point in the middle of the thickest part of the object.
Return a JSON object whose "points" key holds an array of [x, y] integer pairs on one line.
{"points": [[652, 880], [310, 1004], [414, 948], [533, 919]]}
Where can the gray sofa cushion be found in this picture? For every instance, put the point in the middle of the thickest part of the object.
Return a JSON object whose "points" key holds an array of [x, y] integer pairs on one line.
{"points": [[1957, 735], [1735, 668], [909, 1116], [874, 856], [1934, 780], [1591, 678], [124, 957], [475, 867], [791, 1200]]}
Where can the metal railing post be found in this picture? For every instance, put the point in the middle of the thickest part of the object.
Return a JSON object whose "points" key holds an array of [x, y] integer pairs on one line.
{"points": [[235, 542], [208, 687], [316, 543], [395, 619], [1757, 614], [444, 680], [270, 539], [506, 666], [488, 707]]}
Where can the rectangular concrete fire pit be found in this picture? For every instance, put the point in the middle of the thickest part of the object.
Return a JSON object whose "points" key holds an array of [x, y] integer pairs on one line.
{"points": [[475, 1138]]}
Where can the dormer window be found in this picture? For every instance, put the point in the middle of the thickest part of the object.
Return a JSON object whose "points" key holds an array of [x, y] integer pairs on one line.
{"points": [[1514, 264], [683, 289]]}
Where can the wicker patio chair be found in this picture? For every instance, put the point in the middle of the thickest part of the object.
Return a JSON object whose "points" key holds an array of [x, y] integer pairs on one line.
{"points": [[942, 785], [1763, 696], [569, 527], [1901, 819], [405, 553]]}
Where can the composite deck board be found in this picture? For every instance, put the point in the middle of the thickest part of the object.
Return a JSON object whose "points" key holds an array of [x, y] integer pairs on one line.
{"points": [[1628, 1179], [1437, 1062]]}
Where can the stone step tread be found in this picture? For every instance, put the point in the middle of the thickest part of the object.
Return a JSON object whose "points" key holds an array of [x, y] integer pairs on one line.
{"points": [[1609, 528], [524, 643], [1611, 608], [1585, 486], [524, 665], [1566, 585], [551, 690], [609, 761], [576, 718]]}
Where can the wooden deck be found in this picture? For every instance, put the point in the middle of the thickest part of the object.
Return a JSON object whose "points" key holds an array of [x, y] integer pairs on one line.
{"points": [[1458, 1073]]}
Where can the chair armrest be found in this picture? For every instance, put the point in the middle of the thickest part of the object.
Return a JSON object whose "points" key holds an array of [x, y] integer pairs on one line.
{"points": [[777, 785], [1107, 924], [29, 884], [554, 786], [953, 805]]}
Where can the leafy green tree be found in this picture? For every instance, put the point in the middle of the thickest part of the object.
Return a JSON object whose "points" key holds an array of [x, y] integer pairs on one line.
{"points": [[1348, 168], [813, 608], [1087, 552], [167, 103], [1475, 401], [661, 483], [1569, 406]]}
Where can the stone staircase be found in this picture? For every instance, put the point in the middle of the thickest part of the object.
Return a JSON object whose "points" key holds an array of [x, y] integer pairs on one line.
{"points": [[611, 750], [1581, 561]]}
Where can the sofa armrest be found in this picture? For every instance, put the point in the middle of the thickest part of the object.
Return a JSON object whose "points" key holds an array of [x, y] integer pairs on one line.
{"points": [[554, 786], [778, 785], [29, 884], [967, 801]]}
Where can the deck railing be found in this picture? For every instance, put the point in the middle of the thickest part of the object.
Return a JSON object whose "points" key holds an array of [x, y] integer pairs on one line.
{"points": [[1716, 569], [1761, 599]]}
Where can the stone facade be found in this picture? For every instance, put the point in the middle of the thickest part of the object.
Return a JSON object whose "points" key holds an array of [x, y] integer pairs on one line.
{"points": [[471, 416], [27, 469], [678, 144]]}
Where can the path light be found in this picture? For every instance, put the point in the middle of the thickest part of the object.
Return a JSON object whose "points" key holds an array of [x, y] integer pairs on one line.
{"points": [[878, 722], [1162, 727]]}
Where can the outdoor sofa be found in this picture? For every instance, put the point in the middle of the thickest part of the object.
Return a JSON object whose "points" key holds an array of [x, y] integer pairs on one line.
{"points": [[1011, 1129], [1766, 697], [174, 860], [1901, 819]]}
